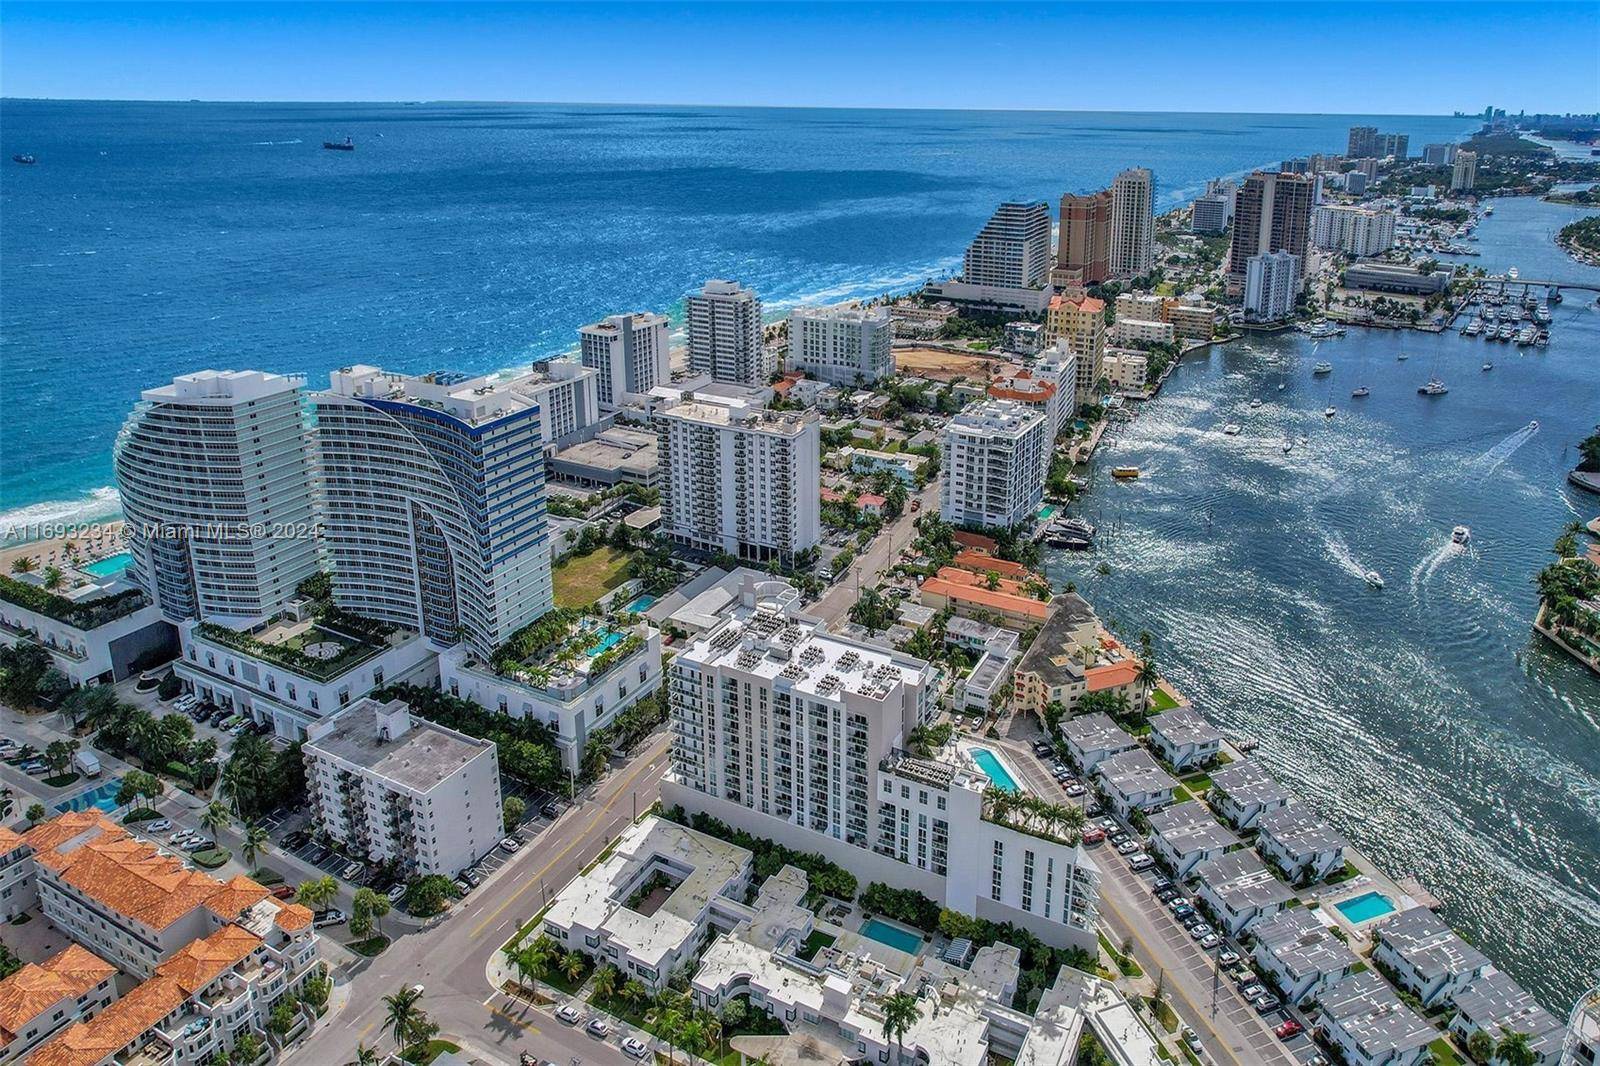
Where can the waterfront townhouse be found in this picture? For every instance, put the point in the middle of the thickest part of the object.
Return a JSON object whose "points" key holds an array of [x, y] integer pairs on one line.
{"points": [[1495, 1004], [1052, 670], [215, 471], [1366, 1023], [1426, 956], [1242, 792], [301, 666], [1240, 890], [397, 788], [1134, 781], [843, 345], [739, 478], [968, 594], [1186, 835], [725, 334], [650, 904], [629, 356], [1184, 739], [97, 630], [16, 875], [797, 735], [39, 1000], [995, 455], [577, 684], [1094, 738], [1301, 845], [1301, 955], [1076, 326], [433, 502]]}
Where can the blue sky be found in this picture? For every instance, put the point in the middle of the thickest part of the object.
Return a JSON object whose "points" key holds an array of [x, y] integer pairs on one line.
{"points": [[1275, 56]]}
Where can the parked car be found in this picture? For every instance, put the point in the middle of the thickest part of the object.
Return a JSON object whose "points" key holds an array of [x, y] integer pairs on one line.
{"points": [[1200, 930], [1110, 825], [633, 1047], [396, 893], [462, 887], [298, 838], [1094, 836], [1227, 956], [1210, 940], [598, 1028], [352, 871], [1290, 1028], [1246, 977], [1191, 1038], [569, 1014], [1041, 748], [284, 891], [1191, 920], [1252, 991], [1182, 911], [316, 854], [160, 825], [1174, 902], [1166, 895], [1140, 861], [1266, 1004], [34, 769], [511, 843], [550, 810], [332, 916], [1074, 789], [1127, 845], [472, 877]]}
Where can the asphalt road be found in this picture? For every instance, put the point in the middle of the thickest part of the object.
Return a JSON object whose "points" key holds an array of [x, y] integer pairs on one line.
{"points": [[869, 566], [449, 958]]}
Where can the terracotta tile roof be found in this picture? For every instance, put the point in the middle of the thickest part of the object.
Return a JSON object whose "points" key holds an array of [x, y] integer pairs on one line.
{"points": [[1025, 606], [9, 841], [974, 540], [129, 875], [1111, 675], [830, 496], [293, 917], [202, 961], [87, 1043], [870, 499], [979, 563], [34, 989], [1083, 303], [957, 575]]}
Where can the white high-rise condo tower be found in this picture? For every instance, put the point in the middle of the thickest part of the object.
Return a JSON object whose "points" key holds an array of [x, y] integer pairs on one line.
{"points": [[215, 477], [995, 457], [628, 354], [841, 345], [433, 502], [725, 334], [740, 479], [1013, 248], [1133, 244]]}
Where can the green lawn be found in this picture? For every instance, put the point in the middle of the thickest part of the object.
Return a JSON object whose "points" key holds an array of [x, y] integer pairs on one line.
{"points": [[1160, 701], [582, 579], [369, 947], [434, 1049], [815, 943], [211, 858], [1444, 1053]]}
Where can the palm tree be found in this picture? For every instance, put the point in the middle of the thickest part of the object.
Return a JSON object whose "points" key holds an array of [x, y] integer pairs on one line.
{"points": [[318, 892], [900, 1012], [634, 991], [365, 1056], [605, 981], [1515, 1049], [368, 902], [666, 1023], [255, 840], [23, 564], [572, 965], [52, 578], [213, 818], [402, 1015], [532, 959]]}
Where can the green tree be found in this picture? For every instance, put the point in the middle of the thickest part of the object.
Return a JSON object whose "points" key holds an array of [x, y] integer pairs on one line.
{"points": [[572, 965], [282, 1019], [213, 818], [365, 1056], [255, 840], [36, 813], [58, 755], [402, 1014], [514, 809], [606, 981], [318, 892], [23, 564], [247, 1048], [667, 1023], [429, 894], [372, 905], [1515, 1049], [1480, 1046], [52, 578], [900, 1013]]}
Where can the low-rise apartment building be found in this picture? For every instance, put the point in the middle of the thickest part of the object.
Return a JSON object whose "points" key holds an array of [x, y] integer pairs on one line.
{"points": [[1366, 1022], [1495, 1004], [1426, 956], [16, 875], [1052, 669], [1126, 369], [1184, 739], [1094, 738], [1186, 835], [1141, 333], [1242, 792], [1301, 845], [1134, 781], [970, 594], [39, 1000], [1241, 891], [396, 787], [1301, 955]]}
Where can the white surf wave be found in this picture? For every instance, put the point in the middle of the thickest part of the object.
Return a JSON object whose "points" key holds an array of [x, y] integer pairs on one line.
{"points": [[24, 523]]}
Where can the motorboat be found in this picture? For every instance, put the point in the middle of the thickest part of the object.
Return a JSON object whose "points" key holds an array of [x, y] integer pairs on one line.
{"points": [[24, 159], [1543, 338], [1255, 402], [1232, 429], [1472, 329], [1374, 579], [348, 145], [1434, 387], [1527, 335], [1125, 473], [1322, 368], [1280, 386], [1487, 366], [1328, 412], [1460, 535], [1359, 391], [1402, 357], [1288, 446]]}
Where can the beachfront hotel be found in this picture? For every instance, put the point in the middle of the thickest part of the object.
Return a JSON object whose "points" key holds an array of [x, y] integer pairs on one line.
{"points": [[995, 457], [628, 354], [568, 395], [842, 345], [725, 334], [204, 466], [798, 735], [1133, 223], [739, 478], [433, 503], [394, 787], [1013, 248], [205, 961]]}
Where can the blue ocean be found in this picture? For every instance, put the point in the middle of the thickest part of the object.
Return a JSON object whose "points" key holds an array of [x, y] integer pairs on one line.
{"points": [[153, 239]]}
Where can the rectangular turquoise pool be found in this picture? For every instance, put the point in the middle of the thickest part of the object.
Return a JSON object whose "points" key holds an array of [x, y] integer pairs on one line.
{"points": [[900, 939], [103, 797], [990, 764], [640, 603], [1365, 907], [110, 566], [606, 642]]}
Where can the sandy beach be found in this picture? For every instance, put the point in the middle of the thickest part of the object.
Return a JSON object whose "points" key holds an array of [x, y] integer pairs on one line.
{"points": [[91, 541]]}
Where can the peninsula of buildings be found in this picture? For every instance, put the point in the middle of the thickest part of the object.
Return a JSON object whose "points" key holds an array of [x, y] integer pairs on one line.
{"points": [[767, 598]]}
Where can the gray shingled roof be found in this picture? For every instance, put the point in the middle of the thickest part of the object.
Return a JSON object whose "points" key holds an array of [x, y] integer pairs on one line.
{"points": [[1434, 949]]}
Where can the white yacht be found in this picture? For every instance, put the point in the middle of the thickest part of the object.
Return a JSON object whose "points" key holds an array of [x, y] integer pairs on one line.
{"points": [[1255, 402], [1360, 391], [1434, 387], [1322, 368], [1328, 412], [1460, 535], [1288, 446], [1487, 366], [1232, 429], [1402, 357], [1374, 579]]}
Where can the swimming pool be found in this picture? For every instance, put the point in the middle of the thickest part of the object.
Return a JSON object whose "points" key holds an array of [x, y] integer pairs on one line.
{"points": [[1047, 512], [1365, 907], [990, 764], [640, 603], [609, 640], [900, 939], [110, 566], [102, 797]]}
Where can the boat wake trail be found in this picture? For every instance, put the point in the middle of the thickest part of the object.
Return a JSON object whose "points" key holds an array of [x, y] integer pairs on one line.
{"points": [[295, 141], [1340, 553], [1429, 565], [1490, 460]]}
